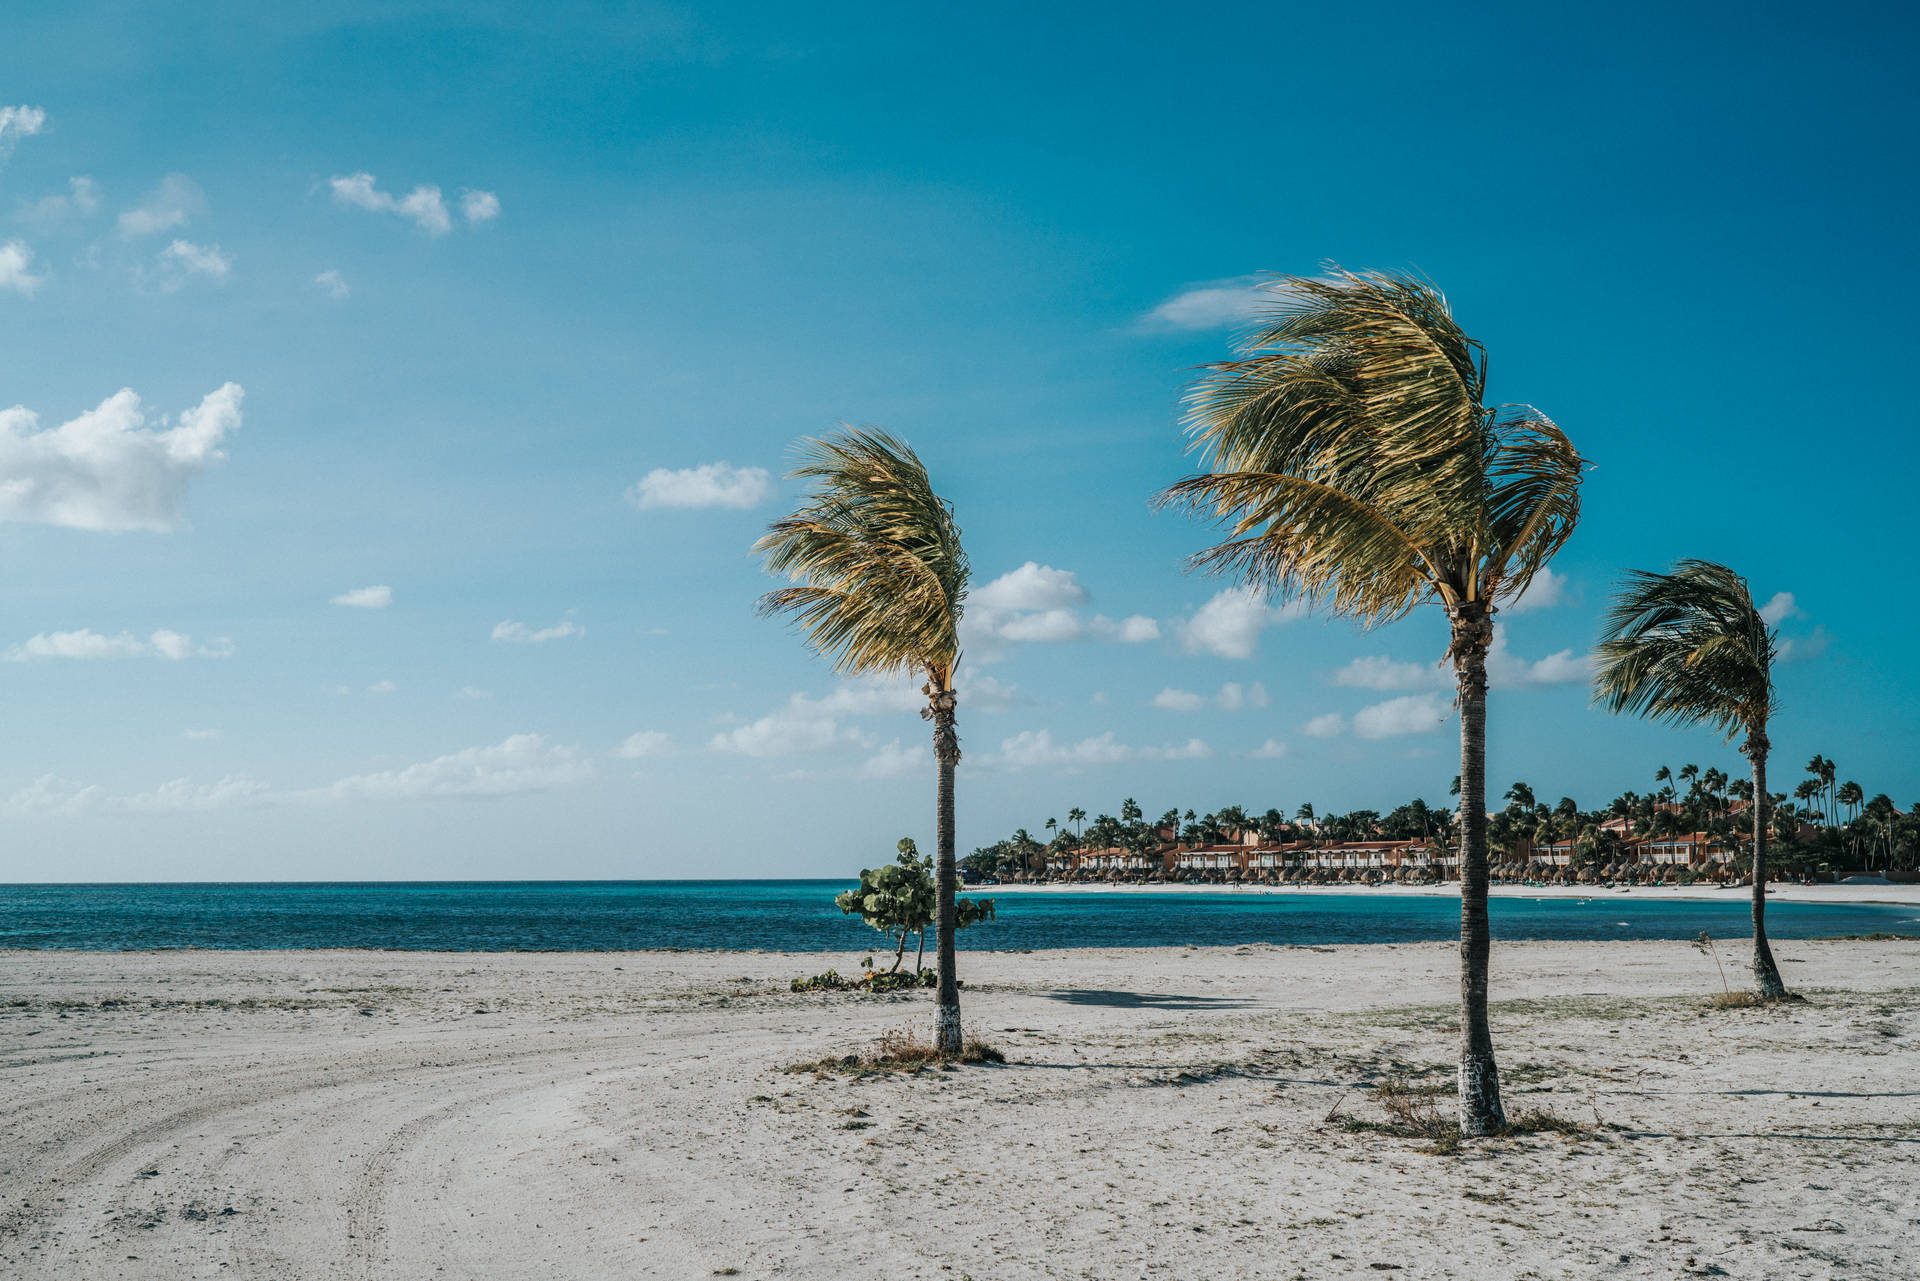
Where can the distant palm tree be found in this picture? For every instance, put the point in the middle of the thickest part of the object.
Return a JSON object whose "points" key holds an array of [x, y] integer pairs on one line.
{"points": [[1353, 456], [880, 579], [1076, 816], [1521, 795], [1664, 775], [1689, 647]]}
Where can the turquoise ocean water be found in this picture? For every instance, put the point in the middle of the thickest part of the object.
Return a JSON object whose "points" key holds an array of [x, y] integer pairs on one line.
{"points": [[800, 916]]}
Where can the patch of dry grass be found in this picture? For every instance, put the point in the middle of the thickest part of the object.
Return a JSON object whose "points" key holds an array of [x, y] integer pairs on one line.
{"points": [[1750, 1000], [906, 1049]]}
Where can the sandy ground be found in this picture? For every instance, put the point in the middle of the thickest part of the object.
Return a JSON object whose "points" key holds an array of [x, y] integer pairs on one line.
{"points": [[1164, 1114]]}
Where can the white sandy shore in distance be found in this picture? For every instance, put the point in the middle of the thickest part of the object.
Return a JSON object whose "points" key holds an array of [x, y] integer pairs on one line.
{"points": [[1895, 895], [1178, 1113]]}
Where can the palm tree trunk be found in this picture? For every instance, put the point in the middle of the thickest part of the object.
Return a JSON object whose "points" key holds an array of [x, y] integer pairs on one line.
{"points": [[1480, 1110], [946, 750], [1765, 973]]}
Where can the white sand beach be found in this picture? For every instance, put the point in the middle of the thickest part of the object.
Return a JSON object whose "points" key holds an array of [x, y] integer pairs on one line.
{"points": [[1177, 1113]]}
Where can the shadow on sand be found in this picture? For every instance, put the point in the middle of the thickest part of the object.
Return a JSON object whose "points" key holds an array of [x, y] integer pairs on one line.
{"points": [[1145, 1000]]}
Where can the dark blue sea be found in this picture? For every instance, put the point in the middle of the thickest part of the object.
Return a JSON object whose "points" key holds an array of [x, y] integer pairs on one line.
{"points": [[800, 916]]}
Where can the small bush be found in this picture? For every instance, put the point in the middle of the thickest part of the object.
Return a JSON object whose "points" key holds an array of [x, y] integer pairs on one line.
{"points": [[871, 981]]}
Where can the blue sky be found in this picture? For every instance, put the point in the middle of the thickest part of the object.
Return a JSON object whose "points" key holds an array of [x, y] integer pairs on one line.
{"points": [[457, 302]]}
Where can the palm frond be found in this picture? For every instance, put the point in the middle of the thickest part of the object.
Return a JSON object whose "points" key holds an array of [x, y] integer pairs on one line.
{"points": [[874, 552], [1688, 647], [1349, 454]]}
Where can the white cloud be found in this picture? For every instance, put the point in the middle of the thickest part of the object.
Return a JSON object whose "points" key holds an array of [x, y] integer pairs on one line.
{"points": [[170, 205], [1213, 304], [521, 763], [1545, 591], [472, 691], [1411, 714], [16, 264], [422, 205], [88, 644], [1780, 609], [49, 794], [479, 206], [1047, 626], [1035, 749], [791, 731], [893, 761], [1178, 700], [1271, 750], [1329, 726], [201, 735], [520, 634], [1232, 697], [17, 123], [104, 470], [1132, 630], [984, 693], [1033, 586], [1377, 671], [1504, 671], [1229, 625], [706, 486], [866, 696], [365, 598], [1798, 649], [182, 260], [382, 687], [183, 796], [331, 283], [646, 743], [82, 200]]}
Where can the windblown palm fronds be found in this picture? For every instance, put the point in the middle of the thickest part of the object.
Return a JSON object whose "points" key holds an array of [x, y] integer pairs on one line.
{"points": [[1689, 648], [1350, 453], [880, 577]]}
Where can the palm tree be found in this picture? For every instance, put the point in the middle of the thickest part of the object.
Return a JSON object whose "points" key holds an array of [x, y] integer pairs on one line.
{"points": [[1690, 648], [879, 582], [1076, 816], [1521, 795], [1353, 457]]}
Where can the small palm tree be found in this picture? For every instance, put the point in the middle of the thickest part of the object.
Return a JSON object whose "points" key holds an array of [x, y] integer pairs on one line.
{"points": [[1690, 648], [1353, 457], [880, 578]]}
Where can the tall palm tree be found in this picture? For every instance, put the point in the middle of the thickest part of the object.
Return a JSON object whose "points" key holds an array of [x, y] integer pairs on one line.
{"points": [[879, 582], [1690, 648], [1076, 816], [1352, 454]]}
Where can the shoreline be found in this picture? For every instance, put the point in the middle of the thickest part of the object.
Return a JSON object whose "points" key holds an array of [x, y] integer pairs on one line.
{"points": [[1887, 895]]}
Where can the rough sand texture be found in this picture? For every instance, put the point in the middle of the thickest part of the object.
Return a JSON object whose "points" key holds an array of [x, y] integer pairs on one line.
{"points": [[1165, 1114]]}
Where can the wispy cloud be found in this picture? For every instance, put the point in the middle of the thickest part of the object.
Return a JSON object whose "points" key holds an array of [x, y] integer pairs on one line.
{"points": [[520, 763], [17, 123], [365, 598], [104, 470], [86, 644], [16, 269], [1780, 608], [81, 200], [646, 743], [332, 284], [706, 486], [422, 206], [182, 260], [1035, 749], [514, 633], [479, 206], [1229, 625], [167, 207], [1212, 304]]}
